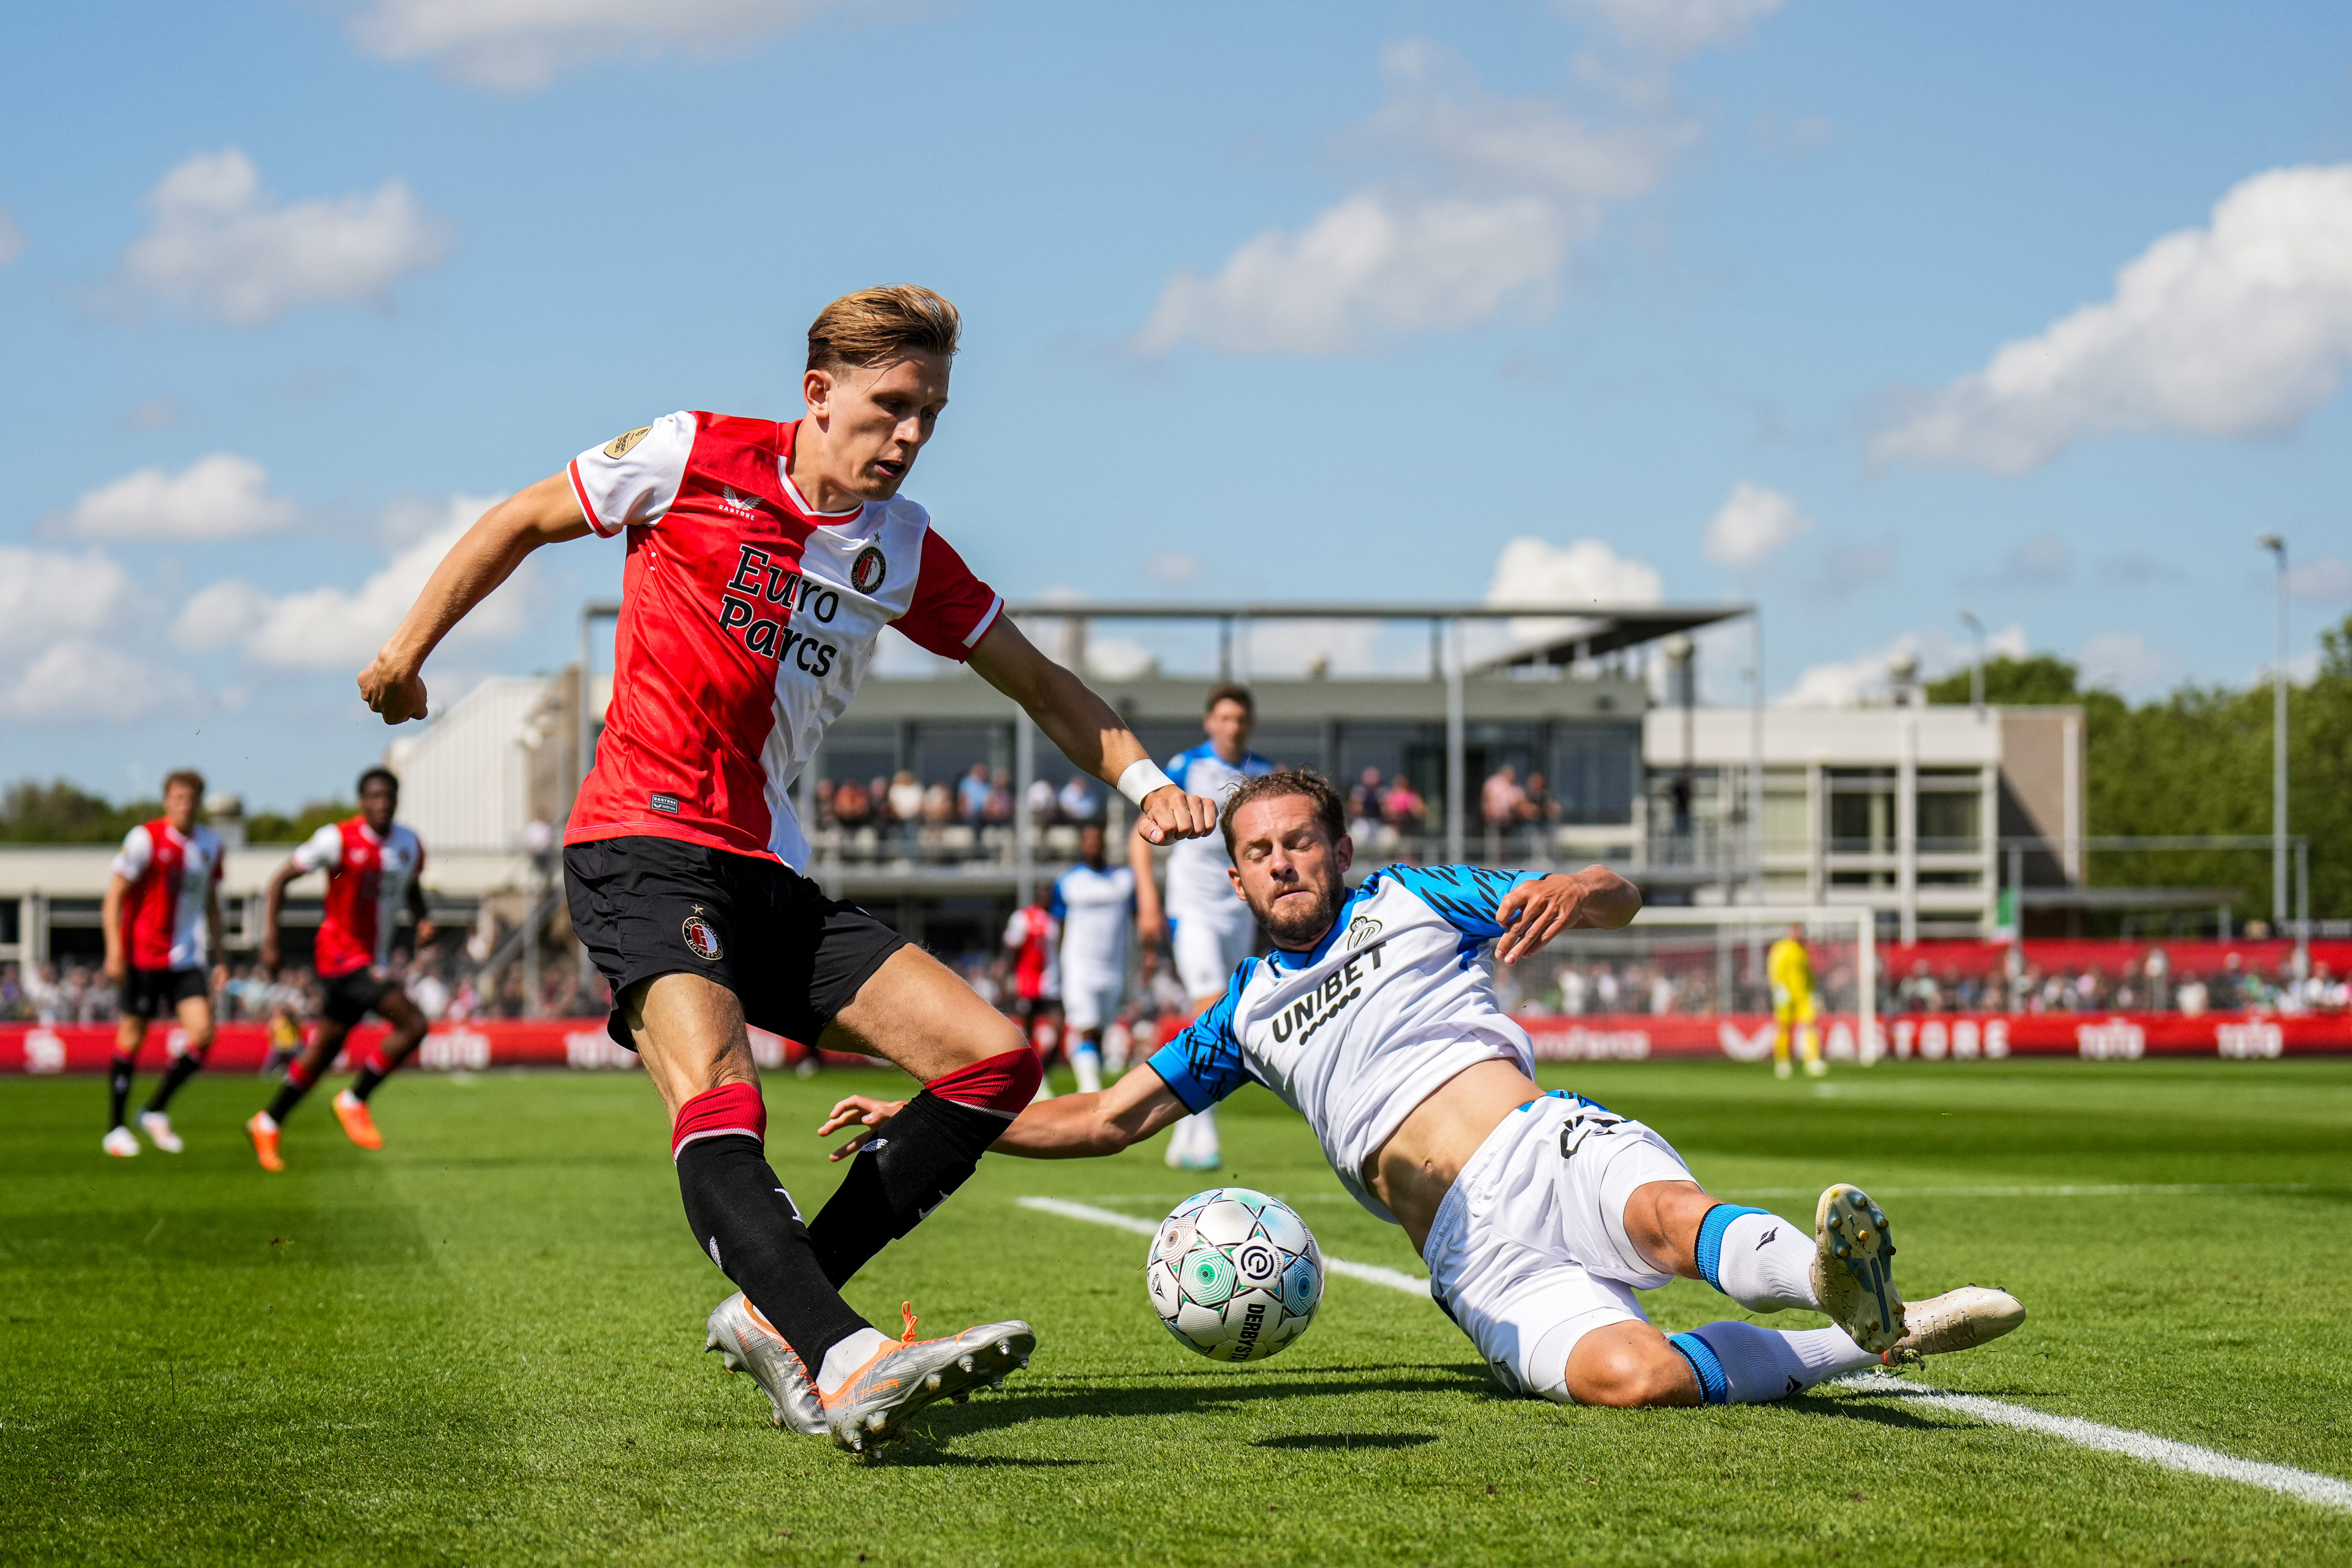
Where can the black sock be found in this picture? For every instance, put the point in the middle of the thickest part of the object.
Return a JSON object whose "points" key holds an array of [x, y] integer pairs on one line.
{"points": [[118, 1089], [364, 1085], [742, 1217], [929, 1150], [290, 1095], [178, 1073]]}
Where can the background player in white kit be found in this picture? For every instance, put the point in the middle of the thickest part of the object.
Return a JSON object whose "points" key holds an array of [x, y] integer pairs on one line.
{"points": [[1538, 1215], [1092, 903], [1209, 929], [163, 920]]}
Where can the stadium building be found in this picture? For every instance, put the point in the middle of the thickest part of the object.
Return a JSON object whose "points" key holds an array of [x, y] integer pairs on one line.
{"points": [[1935, 818]]}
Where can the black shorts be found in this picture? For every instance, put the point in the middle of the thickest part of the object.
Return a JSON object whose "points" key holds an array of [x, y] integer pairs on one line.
{"points": [[158, 992], [351, 997], [648, 907]]}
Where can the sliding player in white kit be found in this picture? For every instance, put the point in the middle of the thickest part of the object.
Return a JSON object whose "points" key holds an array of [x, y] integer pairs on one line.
{"points": [[1092, 903], [1538, 1215], [1209, 931]]}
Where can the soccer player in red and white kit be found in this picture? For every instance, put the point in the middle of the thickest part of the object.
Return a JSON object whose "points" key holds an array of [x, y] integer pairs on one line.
{"points": [[764, 560], [372, 866], [162, 920]]}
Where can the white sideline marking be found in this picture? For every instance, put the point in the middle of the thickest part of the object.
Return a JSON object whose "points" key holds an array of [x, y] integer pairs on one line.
{"points": [[2116, 1190], [1370, 1273], [2323, 1491]]}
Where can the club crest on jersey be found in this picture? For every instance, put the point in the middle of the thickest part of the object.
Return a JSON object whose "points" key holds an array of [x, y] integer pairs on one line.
{"points": [[618, 447], [700, 940], [866, 573], [1361, 930], [735, 501]]}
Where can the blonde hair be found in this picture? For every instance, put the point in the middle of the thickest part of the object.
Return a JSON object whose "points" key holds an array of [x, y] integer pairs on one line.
{"points": [[876, 325]]}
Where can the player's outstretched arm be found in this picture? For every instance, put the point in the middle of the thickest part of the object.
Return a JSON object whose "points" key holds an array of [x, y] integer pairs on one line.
{"points": [[109, 920], [1089, 730], [545, 513], [1068, 1127], [1531, 914]]}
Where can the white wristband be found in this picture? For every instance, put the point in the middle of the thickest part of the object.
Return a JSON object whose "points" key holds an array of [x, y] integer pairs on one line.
{"points": [[1141, 777]]}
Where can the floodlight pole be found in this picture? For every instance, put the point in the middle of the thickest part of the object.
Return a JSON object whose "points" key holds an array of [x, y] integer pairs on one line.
{"points": [[1976, 662], [1456, 738], [2277, 547]]}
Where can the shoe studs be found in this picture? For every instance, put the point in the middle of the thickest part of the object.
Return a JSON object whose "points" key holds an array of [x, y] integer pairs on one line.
{"points": [[965, 1363], [934, 1383]]}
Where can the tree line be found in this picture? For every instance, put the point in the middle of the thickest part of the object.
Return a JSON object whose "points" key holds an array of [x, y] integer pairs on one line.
{"points": [[2198, 761], [59, 812]]}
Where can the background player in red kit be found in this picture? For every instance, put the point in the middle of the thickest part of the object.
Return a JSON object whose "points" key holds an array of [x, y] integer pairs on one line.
{"points": [[764, 560], [372, 865], [162, 920]]}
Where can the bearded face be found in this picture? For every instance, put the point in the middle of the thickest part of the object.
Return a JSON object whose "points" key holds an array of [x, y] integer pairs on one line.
{"points": [[1290, 869]]}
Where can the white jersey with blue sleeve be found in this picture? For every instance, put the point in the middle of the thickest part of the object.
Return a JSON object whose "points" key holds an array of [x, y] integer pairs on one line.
{"points": [[1198, 888], [1095, 909], [1397, 998]]}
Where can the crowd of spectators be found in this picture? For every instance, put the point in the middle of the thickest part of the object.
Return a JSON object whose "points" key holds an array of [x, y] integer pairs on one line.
{"points": [[900, 814]]}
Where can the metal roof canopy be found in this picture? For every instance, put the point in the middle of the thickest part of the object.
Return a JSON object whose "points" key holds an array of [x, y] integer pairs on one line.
{"points": [[1598, 628]]}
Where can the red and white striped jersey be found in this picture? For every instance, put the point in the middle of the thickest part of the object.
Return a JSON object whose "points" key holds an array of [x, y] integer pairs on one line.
{"points": [[747, 622], [367, 883], [171, 875]]}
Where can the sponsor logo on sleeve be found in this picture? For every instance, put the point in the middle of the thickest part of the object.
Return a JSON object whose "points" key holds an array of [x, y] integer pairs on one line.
{"points": [[618, 447], [700, 940], [869, 570]]}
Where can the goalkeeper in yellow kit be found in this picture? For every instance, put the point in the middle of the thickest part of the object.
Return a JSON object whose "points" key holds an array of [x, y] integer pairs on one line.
{"points": [[1792, 975]]}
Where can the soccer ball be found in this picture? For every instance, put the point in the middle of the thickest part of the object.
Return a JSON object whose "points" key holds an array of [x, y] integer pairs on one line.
{"points": [[1234, 1274]]}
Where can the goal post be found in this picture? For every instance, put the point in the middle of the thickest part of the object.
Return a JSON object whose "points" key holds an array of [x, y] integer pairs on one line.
{"points": [[1692, 981]]}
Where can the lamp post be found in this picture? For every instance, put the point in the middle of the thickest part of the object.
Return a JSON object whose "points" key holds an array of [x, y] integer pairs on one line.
{"points": [[1976, 662], [2277, 547]]}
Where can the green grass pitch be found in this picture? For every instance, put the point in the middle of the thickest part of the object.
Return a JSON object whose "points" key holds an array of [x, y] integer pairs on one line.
{"points": [[483, 1345]]}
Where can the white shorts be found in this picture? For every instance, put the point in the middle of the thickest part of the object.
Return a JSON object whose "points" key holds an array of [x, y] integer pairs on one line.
{"points": [[1209, 949], [1528, 1253], [1089, 1001]]}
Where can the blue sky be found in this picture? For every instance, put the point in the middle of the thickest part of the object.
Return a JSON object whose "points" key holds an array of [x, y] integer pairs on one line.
{"points": [[1821, 303]]}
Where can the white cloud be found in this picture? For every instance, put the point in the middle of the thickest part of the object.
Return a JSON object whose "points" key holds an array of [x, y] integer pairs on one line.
{"points": [[82, 680], [2128, 663], [1535, 572], [519, 46], [2237, 328], [1489, 199], [336, 628], [62, 618], [220, 497], [1752, 523], [2324, 578], [1117, 659], [1675, 26], [1851, 682], [222, 247], [45, 596], [12, 238], [1174, 568]]}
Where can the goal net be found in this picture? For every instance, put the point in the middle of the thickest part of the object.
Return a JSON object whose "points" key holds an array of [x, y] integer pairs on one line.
{"points": [[1694, 982]]}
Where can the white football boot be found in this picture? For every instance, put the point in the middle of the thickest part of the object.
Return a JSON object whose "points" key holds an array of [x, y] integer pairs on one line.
{"points": [[874, 1402], [1957, 1320], [1853, 1269], [158, 1128], [747, 1342], [122, 1142]]}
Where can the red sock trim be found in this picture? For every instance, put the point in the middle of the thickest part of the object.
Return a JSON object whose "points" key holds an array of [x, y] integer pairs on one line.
{"points": [[1004, 1083], [716, 1112], [377, 1062], [299, 1075]]}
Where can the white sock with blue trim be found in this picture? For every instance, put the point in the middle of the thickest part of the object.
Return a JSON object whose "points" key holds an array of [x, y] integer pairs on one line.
{"points": [[1740, 1363], [1759, 1260]]}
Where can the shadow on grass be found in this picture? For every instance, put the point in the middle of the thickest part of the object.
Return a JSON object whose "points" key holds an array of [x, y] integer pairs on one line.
{"points": [[1346, 1440], [1199, 1395]]}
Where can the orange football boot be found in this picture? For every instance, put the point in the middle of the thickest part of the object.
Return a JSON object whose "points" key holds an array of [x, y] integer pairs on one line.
{"points": [[264, 1133], [358, 1125]]}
